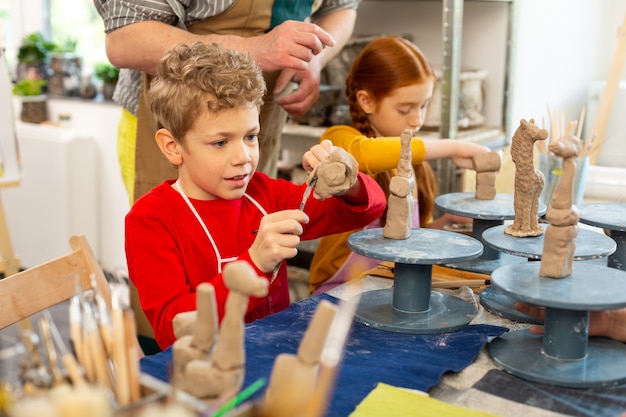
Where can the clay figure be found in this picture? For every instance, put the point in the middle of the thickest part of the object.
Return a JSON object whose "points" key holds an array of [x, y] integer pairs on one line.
{"points": [[210, 365], [560, 240], [486, 166], [529, 181], [336, 174], [198, 344], [294, 377], [401, 199]]}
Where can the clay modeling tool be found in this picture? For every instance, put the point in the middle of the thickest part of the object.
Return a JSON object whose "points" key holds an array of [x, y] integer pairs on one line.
{"points": [[51, 353], [71, 365], [311, 181]]}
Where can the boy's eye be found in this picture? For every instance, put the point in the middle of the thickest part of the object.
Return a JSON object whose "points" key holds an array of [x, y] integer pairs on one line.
{"points": [[219, 143], [252, 138]]}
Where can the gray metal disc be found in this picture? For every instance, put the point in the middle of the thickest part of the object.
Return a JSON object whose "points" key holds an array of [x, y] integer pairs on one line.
{"points": [[487, 266], [500, 304], [610, 216], [446, 314], [589, 244], [423, 246], [465, 204], [589, 287], [520, 353]]}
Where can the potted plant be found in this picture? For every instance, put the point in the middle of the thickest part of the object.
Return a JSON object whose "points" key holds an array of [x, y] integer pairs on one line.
{"points": [[109, 75], [34, 101], [34, 54]]}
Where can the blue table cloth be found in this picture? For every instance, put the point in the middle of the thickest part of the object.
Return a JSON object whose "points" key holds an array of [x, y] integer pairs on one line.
{"points": [[371, 355]]}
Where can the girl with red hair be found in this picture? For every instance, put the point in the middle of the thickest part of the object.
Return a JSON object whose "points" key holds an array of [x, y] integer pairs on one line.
{"points": [[388, 89]]}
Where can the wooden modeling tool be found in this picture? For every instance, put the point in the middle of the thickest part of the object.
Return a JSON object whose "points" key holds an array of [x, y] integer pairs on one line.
{"points": [[119, 355], [76, 332], [69, 361], [51, 354], [96, 348], [132, 350]]}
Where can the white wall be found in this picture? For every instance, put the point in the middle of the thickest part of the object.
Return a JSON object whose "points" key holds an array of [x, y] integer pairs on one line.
{"points": [[560, 50], [102, 119]]}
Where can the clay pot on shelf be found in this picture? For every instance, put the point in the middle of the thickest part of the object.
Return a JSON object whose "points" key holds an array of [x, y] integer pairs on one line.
{"points": [[34, 102], [34, 109]]}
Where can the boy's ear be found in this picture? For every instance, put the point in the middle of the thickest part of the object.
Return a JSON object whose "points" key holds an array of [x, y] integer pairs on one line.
{"points": [[365, 101], [169, 146]]}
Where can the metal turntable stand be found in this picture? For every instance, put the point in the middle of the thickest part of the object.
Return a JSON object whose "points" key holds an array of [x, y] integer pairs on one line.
{"points": [[564, 355], [485, 214], [411, 306], [590, 245]]}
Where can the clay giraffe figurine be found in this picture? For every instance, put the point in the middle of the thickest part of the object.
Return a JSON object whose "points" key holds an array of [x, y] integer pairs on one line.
{"points": [[529, 181]]}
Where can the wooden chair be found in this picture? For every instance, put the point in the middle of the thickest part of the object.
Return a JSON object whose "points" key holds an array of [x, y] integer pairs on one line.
{"points": [[40, 287]]}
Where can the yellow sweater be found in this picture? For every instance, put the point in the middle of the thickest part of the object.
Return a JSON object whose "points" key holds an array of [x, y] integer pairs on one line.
{"points": [[374, 155]]}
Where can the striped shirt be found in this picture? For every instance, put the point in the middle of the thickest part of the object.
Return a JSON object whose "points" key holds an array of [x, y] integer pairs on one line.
{"points": [[180, 13]]}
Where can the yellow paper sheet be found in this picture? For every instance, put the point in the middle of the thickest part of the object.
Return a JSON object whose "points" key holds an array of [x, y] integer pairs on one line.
{"points": [[389, 401]]}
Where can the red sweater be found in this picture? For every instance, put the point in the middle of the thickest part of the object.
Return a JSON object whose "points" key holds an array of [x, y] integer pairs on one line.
{"points": [[169, 254]]}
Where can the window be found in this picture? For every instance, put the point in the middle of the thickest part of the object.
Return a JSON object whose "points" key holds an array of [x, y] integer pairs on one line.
{"points": [[64, 22]]}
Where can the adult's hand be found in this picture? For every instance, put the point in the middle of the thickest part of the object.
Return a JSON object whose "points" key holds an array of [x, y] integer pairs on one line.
{"points": [[340, 25], [305, 94], [291, 44], [607, 323]]}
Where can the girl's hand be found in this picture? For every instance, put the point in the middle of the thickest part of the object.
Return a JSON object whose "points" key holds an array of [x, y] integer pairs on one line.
{"points": [[463, 157], [277, 238]]}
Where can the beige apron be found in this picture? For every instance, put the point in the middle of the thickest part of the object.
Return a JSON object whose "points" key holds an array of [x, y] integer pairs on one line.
{"points": [[244, 18]]}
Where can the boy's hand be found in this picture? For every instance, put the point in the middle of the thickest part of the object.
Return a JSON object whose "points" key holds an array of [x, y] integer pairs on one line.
{"points": [[277, 238], [314, 156], [336, 169]]}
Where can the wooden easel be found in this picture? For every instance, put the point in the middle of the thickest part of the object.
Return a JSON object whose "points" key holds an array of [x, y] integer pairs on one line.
{"points": [[9, 263]]}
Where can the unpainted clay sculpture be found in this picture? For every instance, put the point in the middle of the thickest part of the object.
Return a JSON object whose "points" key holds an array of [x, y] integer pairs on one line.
{"points": [[200, 342], [528, 180], [222, 368], [486, 166], [294, 377], [401, 200], [560, 240], [336, 174]]}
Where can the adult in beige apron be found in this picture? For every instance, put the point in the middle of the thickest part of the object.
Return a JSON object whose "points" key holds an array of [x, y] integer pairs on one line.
{"points": [[245, 18]]}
